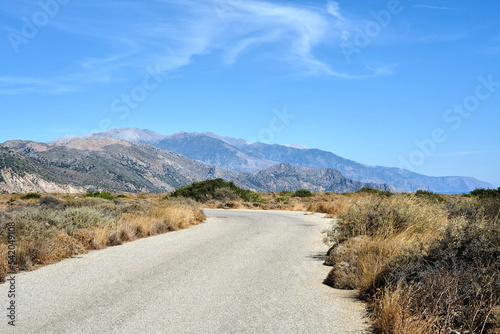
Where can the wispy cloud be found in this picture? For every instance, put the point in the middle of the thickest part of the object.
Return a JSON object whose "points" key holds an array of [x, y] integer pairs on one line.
{"points": [[437, 38], [436, 7], [288, 33], [169, 34], [12, 85], [333, 8]]}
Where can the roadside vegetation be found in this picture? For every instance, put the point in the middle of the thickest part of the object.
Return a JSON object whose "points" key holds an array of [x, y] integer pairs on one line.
{"points": [[423, 262], [53, 227]]}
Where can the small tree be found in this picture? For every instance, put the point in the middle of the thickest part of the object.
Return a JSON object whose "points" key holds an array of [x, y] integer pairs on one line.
{"points": [[304, 193]]}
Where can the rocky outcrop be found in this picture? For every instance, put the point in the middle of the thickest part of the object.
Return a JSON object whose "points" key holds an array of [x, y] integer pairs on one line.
{"points": [[14, 183]]}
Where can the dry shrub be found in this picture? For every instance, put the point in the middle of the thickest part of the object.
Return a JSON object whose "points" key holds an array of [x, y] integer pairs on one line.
{"points": [[495, 321], [360, 263], [332, 208], [94, 202], [461, 300], [374, 257], [33, 252], [425, 266], [113, 240], [386, 217], [233, 205], [86, 239], [458, 277], [126, 232], [4, 266], [64, 246], [312, 206], [51, 202], [177, 214], [298, 206], [392, 314], [84, 218], [101, 237], [344, 260]]}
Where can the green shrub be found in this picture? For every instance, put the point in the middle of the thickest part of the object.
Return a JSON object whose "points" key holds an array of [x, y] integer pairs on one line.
{"points": [[286, 193], [224, 195], [282, 199], [31, 196], [482, 193], [105, 194], [205, 190], [303, 193], [368, 190], [430, 195]]}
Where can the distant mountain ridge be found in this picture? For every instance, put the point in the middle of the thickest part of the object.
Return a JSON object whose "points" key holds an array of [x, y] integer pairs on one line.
{"points": [[241, 156], [103, 163]]}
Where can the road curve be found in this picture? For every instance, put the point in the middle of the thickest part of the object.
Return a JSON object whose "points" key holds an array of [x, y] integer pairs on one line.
{"points": [[242, 271]]}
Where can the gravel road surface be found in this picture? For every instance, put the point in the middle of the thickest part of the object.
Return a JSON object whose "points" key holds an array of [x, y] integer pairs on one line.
{"points": [[242, 271]]}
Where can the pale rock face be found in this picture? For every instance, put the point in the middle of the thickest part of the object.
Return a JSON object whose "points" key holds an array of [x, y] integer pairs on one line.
{"points": [[14, 183]]}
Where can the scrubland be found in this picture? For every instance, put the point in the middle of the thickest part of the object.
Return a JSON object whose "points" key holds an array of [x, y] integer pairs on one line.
{"points": [[424, 263], [53, 227]]}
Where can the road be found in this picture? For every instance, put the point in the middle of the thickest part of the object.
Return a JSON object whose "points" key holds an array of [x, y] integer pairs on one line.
{"points": [[242, 271]]}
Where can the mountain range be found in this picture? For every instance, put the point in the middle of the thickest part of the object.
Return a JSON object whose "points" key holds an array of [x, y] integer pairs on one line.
{"points": [[102, 163], [241, 156], [135, 160]]}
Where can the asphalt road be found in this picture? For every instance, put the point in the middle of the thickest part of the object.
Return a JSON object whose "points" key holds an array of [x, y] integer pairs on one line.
{"points": [[241, 271]]}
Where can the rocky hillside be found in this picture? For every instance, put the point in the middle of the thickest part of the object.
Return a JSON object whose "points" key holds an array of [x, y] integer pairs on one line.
{"points": [[241, 156], [213, 151], [286, 176], [100, 163]]}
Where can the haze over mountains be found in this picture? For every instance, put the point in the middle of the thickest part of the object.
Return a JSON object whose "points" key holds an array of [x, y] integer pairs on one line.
{"points": [[135, 160], [241, 156]]}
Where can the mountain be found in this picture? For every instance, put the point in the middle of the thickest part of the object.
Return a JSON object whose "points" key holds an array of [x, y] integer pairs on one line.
{"points": [[400, 179], [101, 163], [213, 151], [127, 134], [240, 156], [286, 176]]}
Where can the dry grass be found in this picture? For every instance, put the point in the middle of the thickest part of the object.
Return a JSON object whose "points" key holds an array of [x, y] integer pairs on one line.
{"points": [[60, 226], [425, 266]]}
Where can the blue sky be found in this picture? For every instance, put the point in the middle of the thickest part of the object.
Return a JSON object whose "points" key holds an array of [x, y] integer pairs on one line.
{"points": [[413, 84]]}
